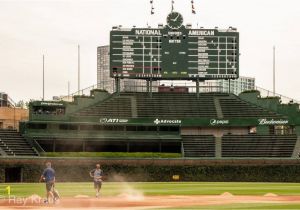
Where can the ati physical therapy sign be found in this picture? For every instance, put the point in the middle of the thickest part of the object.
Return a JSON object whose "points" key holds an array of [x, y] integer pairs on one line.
{"points": [[134, 121]]}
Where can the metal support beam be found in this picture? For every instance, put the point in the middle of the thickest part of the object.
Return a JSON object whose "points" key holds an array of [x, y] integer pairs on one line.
{"points": [[83, 146], [128, 147], [54, 145], [150, 92], [218, 148], [197, 88], [182, 149], [117, 83], [148, 86], [159, 146]]}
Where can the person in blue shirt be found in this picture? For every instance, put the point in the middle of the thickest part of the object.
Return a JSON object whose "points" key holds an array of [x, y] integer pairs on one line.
{"points": [[97, 174], [48, 176]]}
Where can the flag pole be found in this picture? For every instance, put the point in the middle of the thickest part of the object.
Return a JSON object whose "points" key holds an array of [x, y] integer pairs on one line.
{"points": [[43, 77], [274, 70], [78, 68]]}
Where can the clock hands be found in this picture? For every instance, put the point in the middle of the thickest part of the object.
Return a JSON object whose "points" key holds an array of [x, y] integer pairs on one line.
{"points": [[174, 19]]}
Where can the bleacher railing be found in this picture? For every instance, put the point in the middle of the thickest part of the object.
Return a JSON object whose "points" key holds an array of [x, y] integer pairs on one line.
{"points": [[268, 93], [141, 86]]}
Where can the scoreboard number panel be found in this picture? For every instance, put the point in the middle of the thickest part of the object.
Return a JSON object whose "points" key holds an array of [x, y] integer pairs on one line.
{"points": [[214, 54], [134, 56], [174, 52]]}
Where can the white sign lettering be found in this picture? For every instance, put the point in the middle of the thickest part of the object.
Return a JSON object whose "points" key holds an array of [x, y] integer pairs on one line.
{"points": [[273, 122], [51, 104], [157, 121], [113, 120], [201, 33], [219, 122], [148, 32]]}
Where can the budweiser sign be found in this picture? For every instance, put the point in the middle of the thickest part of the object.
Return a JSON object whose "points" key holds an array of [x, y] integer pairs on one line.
{"points": [[265, 121]]}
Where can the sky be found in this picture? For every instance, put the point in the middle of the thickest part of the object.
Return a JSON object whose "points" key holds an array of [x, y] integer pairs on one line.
{"points": [[29, 29]]}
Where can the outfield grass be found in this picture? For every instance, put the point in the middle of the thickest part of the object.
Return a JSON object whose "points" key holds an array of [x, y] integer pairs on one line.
{"points": [[156, 188], [169, 188]]}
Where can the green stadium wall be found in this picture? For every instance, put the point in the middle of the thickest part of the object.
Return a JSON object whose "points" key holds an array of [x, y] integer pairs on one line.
{"points": [[77, 169]]}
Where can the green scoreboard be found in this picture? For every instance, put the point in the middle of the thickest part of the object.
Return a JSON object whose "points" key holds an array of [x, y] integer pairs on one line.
{"points": [[174, 51]]}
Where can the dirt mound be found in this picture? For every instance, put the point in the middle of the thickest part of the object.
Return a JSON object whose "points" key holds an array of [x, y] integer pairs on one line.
{"points": [[129, 193], [81, 196], [132, 196], [227, 194], [270, 195]]}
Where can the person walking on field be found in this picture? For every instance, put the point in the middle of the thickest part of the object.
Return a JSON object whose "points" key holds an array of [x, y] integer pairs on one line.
{"points": [[48, 176], [97, 174]]}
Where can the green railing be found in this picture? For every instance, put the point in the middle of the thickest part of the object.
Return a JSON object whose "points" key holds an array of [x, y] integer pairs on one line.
{"points": [[140, 86]]}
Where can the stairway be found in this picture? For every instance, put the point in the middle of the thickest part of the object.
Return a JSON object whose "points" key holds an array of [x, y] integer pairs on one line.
{"points": [[13, 144]]}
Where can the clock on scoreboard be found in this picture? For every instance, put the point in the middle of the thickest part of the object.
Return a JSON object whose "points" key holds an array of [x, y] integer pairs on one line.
{"points": [[174, 52]]}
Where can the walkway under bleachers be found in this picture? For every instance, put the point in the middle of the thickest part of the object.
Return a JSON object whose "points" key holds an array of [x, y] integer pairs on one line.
{"points": [[199, 146], [254, 145]]}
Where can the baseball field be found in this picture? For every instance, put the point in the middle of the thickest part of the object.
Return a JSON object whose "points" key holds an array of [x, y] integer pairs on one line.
{"points": [[155, 195]]}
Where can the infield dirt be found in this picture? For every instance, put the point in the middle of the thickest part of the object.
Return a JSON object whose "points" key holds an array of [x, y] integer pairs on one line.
{"points": [[146, 202]]}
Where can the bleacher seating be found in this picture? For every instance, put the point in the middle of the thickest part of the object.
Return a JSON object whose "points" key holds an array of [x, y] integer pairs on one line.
{"points": [[258, 145], [159, 105], [197, 142], [235, 107], [112, 107], [174, 105], [13, 144], [199, 146]]}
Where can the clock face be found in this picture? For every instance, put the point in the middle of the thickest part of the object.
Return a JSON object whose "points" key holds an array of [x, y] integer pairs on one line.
{"points": [[174, 20]]}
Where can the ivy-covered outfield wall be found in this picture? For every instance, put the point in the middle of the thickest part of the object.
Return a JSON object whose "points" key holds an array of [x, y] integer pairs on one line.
{"points": [[68, 170]]}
